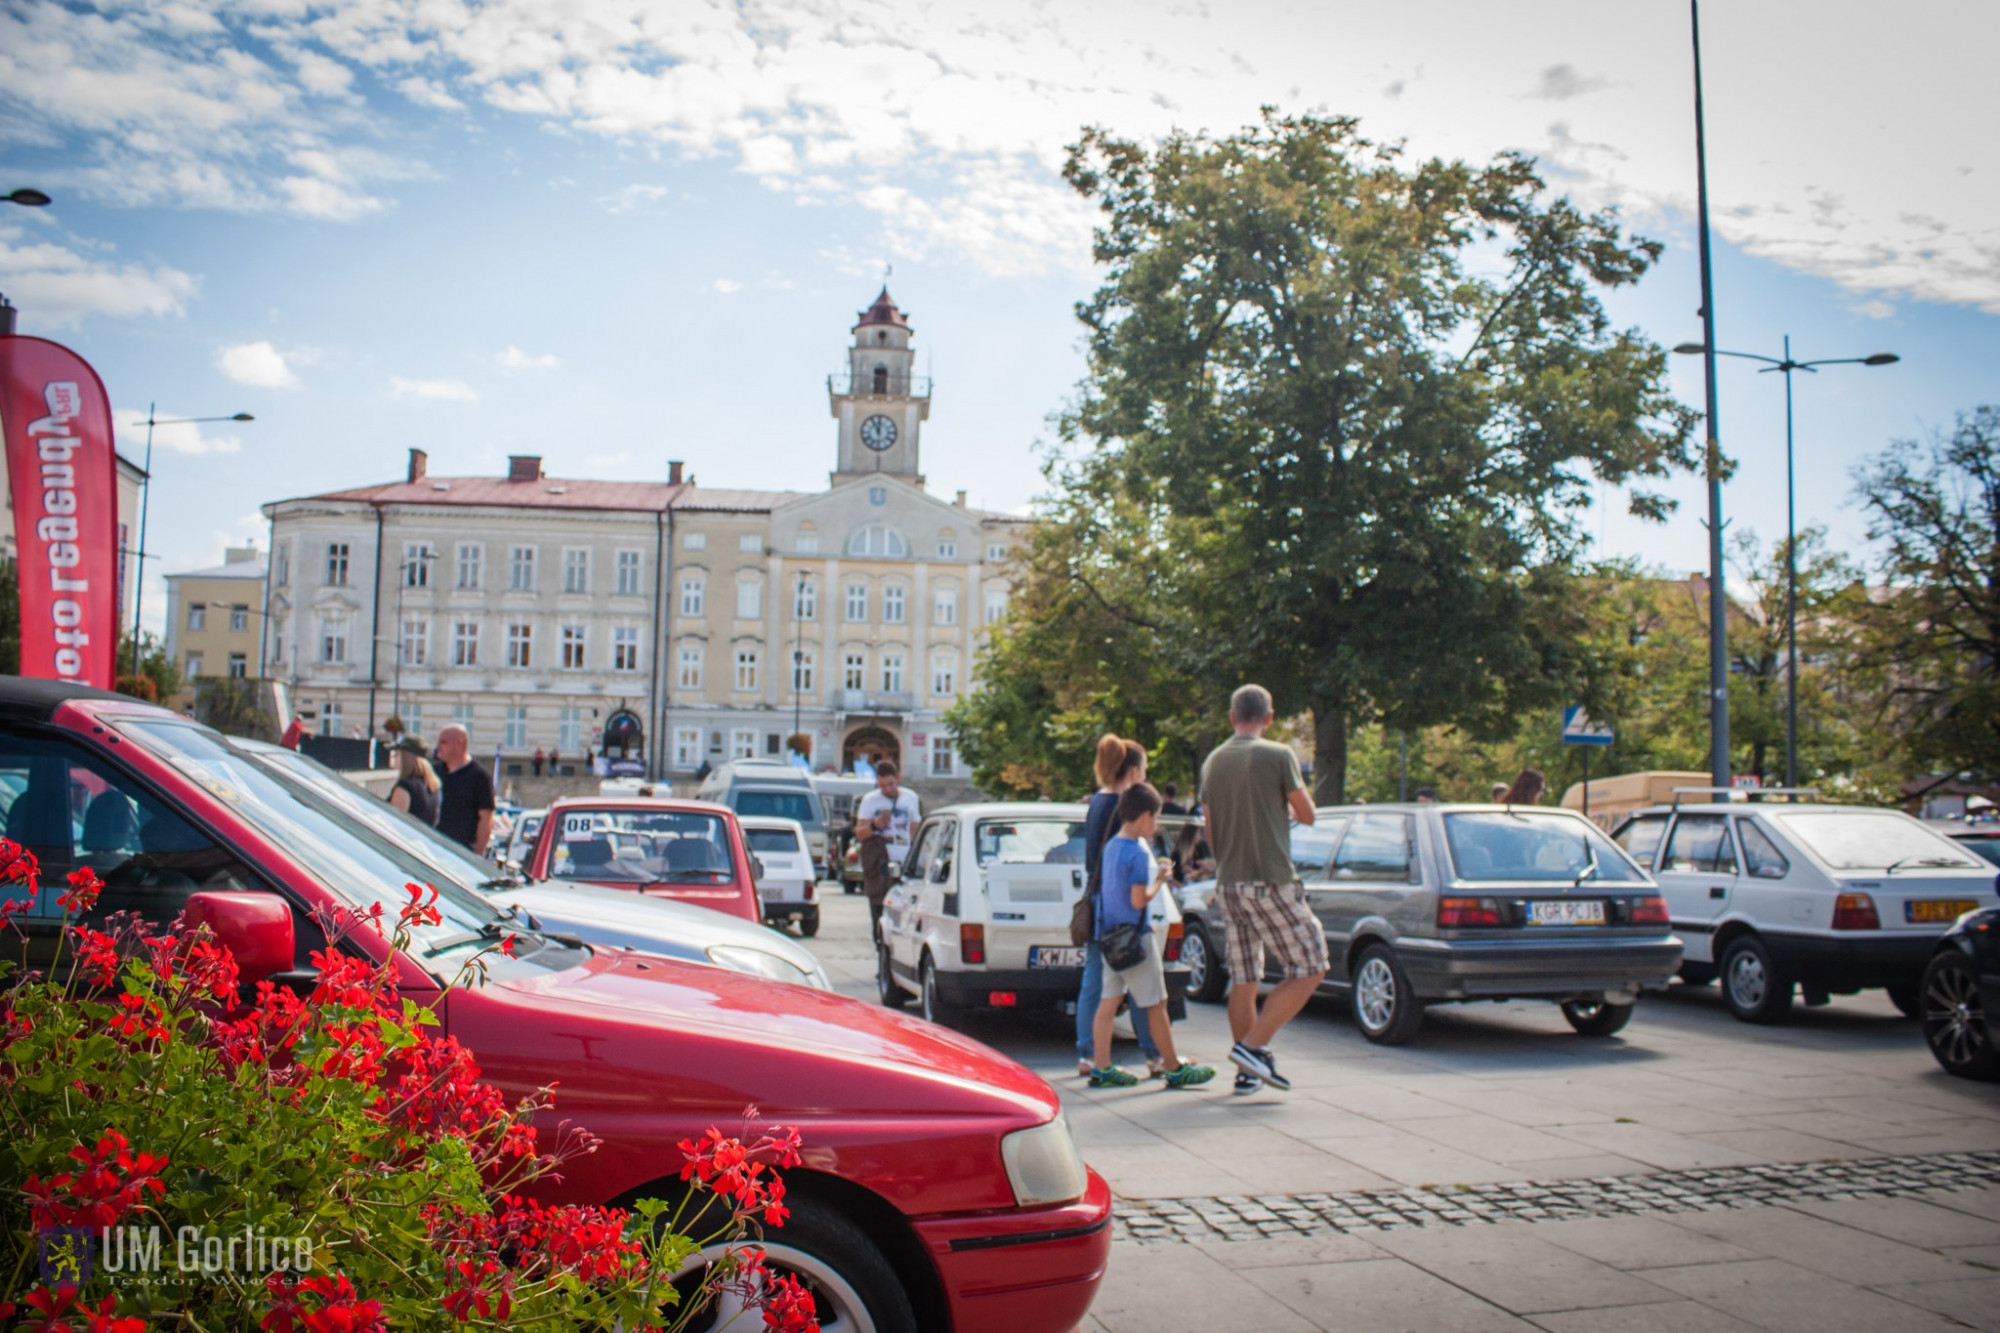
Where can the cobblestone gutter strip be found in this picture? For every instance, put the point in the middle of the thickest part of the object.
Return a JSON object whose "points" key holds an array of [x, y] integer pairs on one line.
{"points": [[1247, 1217]]}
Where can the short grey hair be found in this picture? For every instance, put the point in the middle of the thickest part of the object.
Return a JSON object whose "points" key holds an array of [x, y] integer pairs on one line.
{"points": [[1250, 703]]}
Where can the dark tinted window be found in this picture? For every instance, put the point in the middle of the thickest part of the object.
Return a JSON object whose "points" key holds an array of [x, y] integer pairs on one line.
{"points": [[1699, 845], [778, 840], [799, 805]]}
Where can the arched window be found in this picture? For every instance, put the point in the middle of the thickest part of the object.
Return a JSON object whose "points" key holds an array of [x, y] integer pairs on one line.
{"points": [[881, 336], [878, 539], [881, 379]]}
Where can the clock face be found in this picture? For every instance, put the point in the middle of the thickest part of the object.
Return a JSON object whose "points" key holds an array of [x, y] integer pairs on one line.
{"points": [[878, 432]]}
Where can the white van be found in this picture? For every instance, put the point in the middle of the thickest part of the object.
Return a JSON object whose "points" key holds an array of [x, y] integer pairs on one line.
{"points": [[771, 789], [980, 918]]}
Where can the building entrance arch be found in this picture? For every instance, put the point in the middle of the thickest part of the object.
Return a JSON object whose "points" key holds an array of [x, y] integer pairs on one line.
{"points": [[624, 737], [872, 742]]}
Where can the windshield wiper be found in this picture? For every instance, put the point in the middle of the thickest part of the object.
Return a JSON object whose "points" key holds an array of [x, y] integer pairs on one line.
{"points": [[681, 877], [502, 882], [1921, 861], [492, 930], [1589, 871]]}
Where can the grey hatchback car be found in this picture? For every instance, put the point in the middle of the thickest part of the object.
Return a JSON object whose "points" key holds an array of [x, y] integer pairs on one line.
{"points": [[1424, 904]]}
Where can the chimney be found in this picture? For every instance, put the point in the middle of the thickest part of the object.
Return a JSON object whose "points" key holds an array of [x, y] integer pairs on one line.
{"points": [[960, 501], [419, 464], [524, 467], [673, 472]]}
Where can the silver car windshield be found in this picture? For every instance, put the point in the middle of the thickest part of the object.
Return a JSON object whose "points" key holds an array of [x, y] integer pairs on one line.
{"points": [[341, 851], [1871, 840], [1030, 841], [1534, 846]]}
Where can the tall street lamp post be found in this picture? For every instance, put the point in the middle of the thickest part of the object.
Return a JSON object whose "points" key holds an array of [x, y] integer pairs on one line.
{"points": [[798, 651], [145, 499], [1785, 365], [1718, 602]]}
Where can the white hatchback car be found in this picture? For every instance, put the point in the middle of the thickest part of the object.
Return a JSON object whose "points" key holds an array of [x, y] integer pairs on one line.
{"points": [[1829, 899], [787, 877], [980, 918]]}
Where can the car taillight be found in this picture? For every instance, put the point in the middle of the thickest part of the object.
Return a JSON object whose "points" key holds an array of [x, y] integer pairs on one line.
{"points": [[809, 890], [971, 942], [1171, 951], [1649, 912], [1468, 912], [1855, 911]]}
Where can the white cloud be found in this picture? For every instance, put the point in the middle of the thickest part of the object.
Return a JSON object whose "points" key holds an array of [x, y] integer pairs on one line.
{"points": [[171, 434], [1874, 309], [630, 197], [451, 391], [56, 284], [258, 365], [728, 286], [950, 120], [516, 359]]}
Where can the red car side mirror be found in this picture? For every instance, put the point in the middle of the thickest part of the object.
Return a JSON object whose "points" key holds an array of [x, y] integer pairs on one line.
{"points": [[255, 927]]}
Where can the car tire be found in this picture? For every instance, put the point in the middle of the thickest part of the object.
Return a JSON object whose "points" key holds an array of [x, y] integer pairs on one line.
{"points": [[1596, 1018], [1754, 986], [852, 1285], [809, 922], [1908, 998], [1385, 1008], [936, 1006], [1697, 974], [1954, 1019], [1208, 977], [892, 993]]}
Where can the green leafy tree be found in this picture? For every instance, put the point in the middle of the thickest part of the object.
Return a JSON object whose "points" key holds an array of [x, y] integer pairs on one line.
{"points": [[1932, 634], [157, 677], [1359, 404]]}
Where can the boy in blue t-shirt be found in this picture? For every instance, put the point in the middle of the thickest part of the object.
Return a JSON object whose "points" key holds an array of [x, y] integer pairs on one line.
{"points": [[1127, 883]]}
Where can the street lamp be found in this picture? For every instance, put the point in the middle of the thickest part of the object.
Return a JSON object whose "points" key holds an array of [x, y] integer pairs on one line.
{"points": [[1785, 366], [1718, 603], [145, 498], [28, 198], [798, 649]]}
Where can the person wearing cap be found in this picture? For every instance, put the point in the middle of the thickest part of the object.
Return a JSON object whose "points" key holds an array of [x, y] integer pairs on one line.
{"points": [[417, 783]]}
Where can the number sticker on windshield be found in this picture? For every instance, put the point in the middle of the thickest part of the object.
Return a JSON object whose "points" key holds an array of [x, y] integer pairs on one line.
{"points": [[578, 827]]}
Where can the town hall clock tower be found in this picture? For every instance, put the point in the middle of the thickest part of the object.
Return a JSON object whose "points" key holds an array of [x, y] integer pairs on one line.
{"points": [[879, 404]]}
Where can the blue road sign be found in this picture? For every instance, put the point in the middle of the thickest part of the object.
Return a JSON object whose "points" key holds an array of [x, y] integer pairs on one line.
{"points": [[1578, 729]]}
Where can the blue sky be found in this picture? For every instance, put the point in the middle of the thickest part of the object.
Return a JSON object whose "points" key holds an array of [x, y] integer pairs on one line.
{"points": [[629, 232]]}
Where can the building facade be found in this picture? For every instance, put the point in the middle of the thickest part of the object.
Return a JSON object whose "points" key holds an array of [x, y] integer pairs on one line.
{"points": [[215, 616], [668, 623]]}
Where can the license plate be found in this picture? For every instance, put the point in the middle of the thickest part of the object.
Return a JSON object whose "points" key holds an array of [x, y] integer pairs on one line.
{"points": [[1936, 911], [1566, 912], [1043, 955]]}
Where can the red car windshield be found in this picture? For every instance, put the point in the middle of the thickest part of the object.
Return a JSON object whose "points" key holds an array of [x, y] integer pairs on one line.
{"points": [[625, 846]]}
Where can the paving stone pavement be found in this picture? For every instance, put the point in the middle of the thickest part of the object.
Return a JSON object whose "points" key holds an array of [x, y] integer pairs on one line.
{"points": [[1501, 1173]]}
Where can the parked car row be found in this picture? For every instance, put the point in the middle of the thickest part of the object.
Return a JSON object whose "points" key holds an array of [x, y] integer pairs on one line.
{"points": [[942, 1187]]}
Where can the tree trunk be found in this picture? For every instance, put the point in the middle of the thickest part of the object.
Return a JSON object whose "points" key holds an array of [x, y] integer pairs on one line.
{"points": [[1329, 754]]}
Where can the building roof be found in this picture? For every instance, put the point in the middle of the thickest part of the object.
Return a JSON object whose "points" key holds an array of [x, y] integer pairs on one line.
{"points": [[734, 502], [540, 493], [884, 311], [235, 569]]}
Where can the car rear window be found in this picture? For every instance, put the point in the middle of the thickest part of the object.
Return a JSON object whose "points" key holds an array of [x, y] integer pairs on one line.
{"points": [[1534, 846], [1640, 837], [1034, 841], [628, 846], [1871, 840], [778, 840], [800, 805]]}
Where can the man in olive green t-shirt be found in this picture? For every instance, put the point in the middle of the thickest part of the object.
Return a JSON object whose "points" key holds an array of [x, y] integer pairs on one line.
{"points": [[1251, 791]]}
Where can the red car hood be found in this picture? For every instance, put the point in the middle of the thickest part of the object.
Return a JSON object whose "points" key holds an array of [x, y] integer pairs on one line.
{"points": [[734, 1039]]}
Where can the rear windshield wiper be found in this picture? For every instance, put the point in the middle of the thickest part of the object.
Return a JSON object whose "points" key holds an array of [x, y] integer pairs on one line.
{"points": [[1921, 861], [1589, 871]]}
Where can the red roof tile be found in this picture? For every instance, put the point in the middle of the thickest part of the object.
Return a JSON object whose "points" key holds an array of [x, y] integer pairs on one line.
{"points": [[542, 493]]}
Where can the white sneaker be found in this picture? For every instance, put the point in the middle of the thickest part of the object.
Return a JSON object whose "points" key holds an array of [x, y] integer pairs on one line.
{"points": [[1084, 1068], [1157, 1068]]}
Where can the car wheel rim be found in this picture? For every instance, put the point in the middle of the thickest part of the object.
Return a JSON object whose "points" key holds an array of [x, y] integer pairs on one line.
{"points": [[1586, 1009], [1747, 982], [1194, 953], [1953, 1017], [737, 1306], [1375, 994]]}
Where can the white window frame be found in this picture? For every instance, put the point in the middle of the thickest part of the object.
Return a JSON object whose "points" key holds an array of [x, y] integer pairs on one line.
{"points": [[197, 617], [857, 601], [194, 664], [631, 573], [575, 647], [521, 568], [944, 606], [892, 672], [880, 541], [944, 674], [944, 759], [895, 603], [687, 747], [238, 666], [996, 552], [694, 595], [576, 569], [947, 548], [750, 541], [337, 556], [465, 643], [514, 731], [331, 715], [624, 648], [688, 668], [854, 670], [694, 541], [239, 619], [743, 743], [414, 648], [749, 597], [805, 599], [807, 543], [569, 729], [471, 566], [417, 557], [461, 716], [520, 645], [748, 660], [282, 574], [333, 640], [996, 605], [804, 661]]}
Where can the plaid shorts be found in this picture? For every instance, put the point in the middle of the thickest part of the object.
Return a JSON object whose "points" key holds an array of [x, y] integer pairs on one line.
{"points": [[1273, 917]]}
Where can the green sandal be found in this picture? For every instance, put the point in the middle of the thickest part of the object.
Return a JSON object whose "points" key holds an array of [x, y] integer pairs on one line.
{"points": [[1189, 1076], [1113, 1077]]}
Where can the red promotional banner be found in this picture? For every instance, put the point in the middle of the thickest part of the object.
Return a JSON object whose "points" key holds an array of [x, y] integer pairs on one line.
{"points": [[63, 478]]}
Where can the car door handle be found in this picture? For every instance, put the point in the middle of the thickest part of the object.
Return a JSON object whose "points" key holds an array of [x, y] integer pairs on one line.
{"points": [[1718, 891]]}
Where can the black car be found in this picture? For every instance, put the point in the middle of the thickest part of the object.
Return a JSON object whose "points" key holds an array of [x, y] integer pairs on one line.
{"points": [[1961, 987]]}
